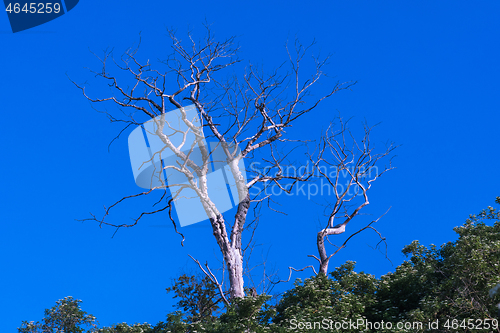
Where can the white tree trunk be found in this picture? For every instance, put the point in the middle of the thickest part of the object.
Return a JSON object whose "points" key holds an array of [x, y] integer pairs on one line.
{"points": [[324, 259]]}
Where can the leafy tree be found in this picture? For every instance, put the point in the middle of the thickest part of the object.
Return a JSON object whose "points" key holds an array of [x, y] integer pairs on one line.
{"points": [[447, 283], [248, 314], [199, 302], [456, 284], [321, 298], [198, 298], [66, 316], [125, 328], [401, 291]]}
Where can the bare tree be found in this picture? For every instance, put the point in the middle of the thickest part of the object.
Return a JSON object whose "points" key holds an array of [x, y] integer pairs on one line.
{"points": [[245, 115], [349, 168]]}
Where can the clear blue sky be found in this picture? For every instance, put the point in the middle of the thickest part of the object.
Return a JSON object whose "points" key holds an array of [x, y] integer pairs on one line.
{"points": [[427, 71]]}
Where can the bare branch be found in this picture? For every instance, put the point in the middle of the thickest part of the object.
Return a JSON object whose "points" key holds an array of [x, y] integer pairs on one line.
{"points": [[213, 278], [296, 270], [248, 117]]}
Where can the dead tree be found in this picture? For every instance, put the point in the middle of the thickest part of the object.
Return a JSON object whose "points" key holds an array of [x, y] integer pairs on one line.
{"points": [[349, 168], [246, 116]]}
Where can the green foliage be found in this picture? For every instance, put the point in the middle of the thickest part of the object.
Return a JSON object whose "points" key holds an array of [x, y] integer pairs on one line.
{"points": [[174, 324], [125, 328], [199, 301], [321, 300], [468, 269], [198, 298], [248, 314], [448, 283], [66, 316], [401, 291]]}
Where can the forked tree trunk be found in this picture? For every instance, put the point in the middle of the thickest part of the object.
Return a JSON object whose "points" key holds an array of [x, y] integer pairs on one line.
{"points": [[324, 259], [230, 246], [232, 256], [235, 268]]}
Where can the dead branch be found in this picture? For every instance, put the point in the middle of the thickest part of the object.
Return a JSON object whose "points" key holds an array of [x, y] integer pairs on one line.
{"points": [[247, 117]]}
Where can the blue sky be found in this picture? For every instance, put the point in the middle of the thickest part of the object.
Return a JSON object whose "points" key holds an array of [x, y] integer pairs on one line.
{"points": [[426, 71]]}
